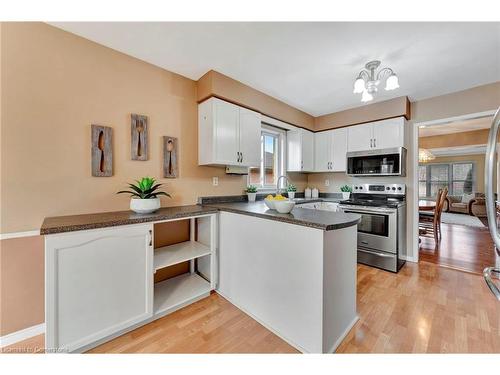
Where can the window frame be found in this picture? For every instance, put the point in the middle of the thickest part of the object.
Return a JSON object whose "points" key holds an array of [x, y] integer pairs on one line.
{"points": [[281, 157], [451, 177]]}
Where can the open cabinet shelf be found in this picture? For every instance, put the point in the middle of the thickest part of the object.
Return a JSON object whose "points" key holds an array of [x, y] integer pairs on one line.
{"points": [[180, 291], [173, 254]]}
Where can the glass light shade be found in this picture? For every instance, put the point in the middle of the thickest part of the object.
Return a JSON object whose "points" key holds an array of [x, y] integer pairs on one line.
{"points": [[359, 86], [366, 97], [392, 82], [425, 155]]}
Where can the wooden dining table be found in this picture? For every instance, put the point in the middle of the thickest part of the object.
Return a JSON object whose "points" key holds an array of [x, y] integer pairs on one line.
{"points": [[426, 205]]}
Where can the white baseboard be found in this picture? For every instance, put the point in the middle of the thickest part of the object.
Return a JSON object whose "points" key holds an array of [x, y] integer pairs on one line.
{"points": [[343, 336], [409, 259], [21, 335]]}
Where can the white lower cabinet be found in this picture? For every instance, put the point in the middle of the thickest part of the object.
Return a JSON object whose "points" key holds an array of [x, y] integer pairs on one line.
{"points": [[98, 282]]}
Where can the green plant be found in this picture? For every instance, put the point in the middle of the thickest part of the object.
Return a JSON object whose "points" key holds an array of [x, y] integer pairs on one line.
{"points": [[346, 189], [251, 189], [291, 188], [144, 189]]}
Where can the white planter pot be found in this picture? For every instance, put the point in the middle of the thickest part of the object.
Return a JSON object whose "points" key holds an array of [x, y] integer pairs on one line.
{"points": [[144, 206], [251, 197], [346, 195], [291, 194]]}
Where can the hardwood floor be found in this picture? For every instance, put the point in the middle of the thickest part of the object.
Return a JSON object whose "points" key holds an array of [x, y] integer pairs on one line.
{"points": [[461, 247], [422, 309]]}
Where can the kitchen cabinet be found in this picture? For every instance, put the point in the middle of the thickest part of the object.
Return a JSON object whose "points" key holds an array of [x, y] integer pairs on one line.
{"points": [[323, 151], [98, 282], [376, 135], [330, 149], [300, 151], [339, 159], [228, 134]]}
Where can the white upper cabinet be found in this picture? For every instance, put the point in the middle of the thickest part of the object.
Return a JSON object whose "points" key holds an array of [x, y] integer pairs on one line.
{"points": [[250, 130], [389, 133], [360, 137], [376, 135], [300, 150], [323, 151], [228, 134], [330, 149], [339, 150]]}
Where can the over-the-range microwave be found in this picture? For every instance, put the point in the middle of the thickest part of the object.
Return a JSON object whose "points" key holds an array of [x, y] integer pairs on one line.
{"points": [[383, 162]]}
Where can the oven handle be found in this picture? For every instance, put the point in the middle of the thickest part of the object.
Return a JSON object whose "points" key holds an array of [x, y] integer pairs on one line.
{"points": [[355, 209], [376, 253]]}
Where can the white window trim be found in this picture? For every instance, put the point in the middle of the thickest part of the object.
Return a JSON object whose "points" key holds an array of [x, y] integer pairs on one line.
{"points": [[281, 133]]}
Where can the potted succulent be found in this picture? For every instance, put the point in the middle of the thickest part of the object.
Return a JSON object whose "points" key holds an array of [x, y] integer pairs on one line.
{"points": [[346, 191], [144, 195], [251, 191], [291, 189]]}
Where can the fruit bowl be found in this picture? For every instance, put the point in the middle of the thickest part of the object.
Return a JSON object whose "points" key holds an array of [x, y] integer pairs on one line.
{"points": [[284, 206], [269, 203]]}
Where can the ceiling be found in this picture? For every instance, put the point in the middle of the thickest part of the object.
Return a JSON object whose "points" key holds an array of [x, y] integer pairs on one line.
{"points": [[456, 127], [312, 66]]}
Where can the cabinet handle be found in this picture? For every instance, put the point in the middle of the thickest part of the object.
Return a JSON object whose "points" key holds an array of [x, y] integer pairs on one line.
{"points": [[371, 142], [241, 157], [374, 142], [150, 237]]}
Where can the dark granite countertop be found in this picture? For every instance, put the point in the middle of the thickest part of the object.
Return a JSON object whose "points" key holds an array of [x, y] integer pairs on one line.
{"points": [[60, 224], [325, 220]]}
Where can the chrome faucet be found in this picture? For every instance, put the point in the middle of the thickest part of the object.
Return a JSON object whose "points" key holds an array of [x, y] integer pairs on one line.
{"points": [[278, 189]]}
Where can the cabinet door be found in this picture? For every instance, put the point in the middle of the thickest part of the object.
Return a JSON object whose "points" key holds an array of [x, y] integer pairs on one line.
{"points": [[227, 138], [307, 151], [97, 283], [359, 137], [339, 150], [388, 133], [294, 151], [250, 129], [323, 151]]}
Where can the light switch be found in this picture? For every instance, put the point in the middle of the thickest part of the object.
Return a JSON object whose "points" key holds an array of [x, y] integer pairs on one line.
{"points": [[215, 181], [327, 182]]}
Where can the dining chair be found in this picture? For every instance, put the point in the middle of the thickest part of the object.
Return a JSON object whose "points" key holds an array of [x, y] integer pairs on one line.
{"points": [[430, 221]]}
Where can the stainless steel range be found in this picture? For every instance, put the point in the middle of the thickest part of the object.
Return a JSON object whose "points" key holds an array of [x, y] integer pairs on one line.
{"points": [[382, 230]]}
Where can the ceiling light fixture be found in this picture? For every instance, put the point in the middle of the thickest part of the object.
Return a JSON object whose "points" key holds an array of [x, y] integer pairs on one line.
{"points": [[367, 81], [425, 156]]}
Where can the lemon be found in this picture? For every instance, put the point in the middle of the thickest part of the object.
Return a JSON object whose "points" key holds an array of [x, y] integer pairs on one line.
{"points": [[270, 197]]}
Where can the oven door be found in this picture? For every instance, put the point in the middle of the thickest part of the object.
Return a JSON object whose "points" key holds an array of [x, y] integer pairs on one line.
{"points": [[377, 229]]}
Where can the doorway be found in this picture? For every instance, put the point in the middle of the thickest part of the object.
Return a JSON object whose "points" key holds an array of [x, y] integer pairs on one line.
{"points": [[451, 157]]}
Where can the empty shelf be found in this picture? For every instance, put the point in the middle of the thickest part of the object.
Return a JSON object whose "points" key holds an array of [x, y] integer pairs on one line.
{"points": [[178, 253], [180, 291]]}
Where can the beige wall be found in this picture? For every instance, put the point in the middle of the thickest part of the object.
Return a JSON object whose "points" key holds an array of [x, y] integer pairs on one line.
{"points": [[474, 100], [55, 85], [21, 283], [371, 112], [216, 84], [475, 137]]}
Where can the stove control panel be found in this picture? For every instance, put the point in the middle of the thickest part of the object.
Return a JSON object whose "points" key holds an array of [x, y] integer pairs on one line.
{"points": [[387, 189]]}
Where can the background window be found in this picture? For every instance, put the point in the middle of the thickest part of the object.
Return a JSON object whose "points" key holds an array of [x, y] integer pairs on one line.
{"points": [[272, 143], [457, 177]]}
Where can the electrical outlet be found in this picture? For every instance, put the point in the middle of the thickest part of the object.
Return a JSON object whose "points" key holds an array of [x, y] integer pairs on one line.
{"points": [[327, 182], [215, 181]]}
